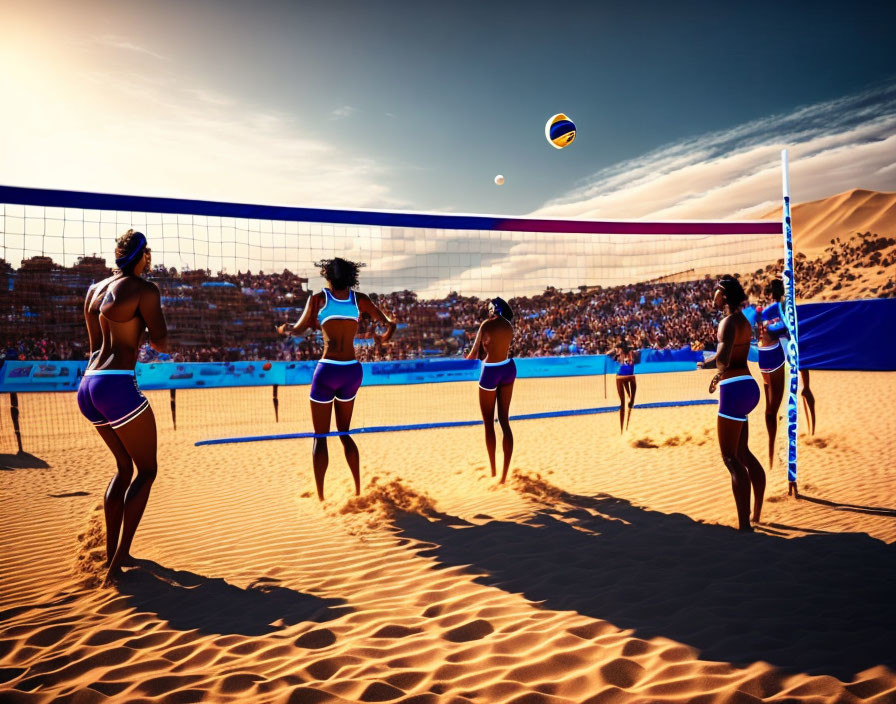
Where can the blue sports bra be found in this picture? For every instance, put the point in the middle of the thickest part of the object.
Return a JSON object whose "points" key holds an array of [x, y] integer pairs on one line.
{"points": [[772, 315], [338, 309]]}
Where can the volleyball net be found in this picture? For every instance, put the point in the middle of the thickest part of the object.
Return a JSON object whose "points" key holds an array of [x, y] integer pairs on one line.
{"points": [[230, 272]]}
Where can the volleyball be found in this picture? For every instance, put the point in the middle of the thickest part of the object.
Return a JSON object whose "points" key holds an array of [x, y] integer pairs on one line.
{"points": [[560, 131], [499, 180]]}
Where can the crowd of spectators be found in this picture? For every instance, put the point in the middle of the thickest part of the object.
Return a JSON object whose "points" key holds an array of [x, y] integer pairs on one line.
{"points": [[231, 317], [844, 262]]}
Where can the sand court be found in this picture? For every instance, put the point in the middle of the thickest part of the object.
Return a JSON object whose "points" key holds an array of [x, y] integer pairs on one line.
{"points": [[606, 570]]}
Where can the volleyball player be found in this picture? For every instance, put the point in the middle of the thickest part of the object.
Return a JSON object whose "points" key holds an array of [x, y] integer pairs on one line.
{"points": [[336, 311], [739, 394], [496, 378], [117, 311], [626, 384]]}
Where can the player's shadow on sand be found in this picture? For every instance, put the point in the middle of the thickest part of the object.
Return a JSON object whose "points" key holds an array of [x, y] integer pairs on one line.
{"points": [[190, 601], [821, 604], [21, 460], [855, 508]]}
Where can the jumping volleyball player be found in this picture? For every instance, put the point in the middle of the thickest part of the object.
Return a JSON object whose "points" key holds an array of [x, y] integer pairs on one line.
{"points": [[337, 377], [496, 378], [625, 380], [739, 394], [117, 310]]}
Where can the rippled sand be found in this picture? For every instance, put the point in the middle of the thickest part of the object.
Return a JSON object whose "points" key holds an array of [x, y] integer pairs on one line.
{"points": [[606, 571]]}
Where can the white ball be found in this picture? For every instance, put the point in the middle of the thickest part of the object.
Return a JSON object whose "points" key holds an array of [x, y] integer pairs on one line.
{"points": [[499, 180]]}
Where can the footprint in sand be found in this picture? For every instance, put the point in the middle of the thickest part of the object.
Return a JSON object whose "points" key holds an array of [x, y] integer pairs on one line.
{"points": [[622, 672], [316, 639], [396, 632], [474, 630], [381, 692]]}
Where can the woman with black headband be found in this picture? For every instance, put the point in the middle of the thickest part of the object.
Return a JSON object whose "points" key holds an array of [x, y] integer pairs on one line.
{"points": [[496, 378], [739, 394], [117, 311]]}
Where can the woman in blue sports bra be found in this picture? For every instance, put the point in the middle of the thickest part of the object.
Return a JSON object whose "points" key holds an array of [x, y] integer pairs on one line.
{"points": [[625, 380], [772, 333], [739, 394], [337, 377]]}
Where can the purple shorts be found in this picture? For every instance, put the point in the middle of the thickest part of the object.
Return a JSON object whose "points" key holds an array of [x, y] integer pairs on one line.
{"points": [[497, 374], [110, 397], [771, 358], [336, 380], [737, 397]]}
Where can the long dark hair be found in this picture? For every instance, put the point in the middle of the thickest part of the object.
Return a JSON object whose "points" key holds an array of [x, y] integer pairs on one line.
{"points": [[776, 289], [341, 273]]}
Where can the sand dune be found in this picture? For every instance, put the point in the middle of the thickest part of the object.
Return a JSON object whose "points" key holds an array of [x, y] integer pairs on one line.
{"points": [[606, 571], [843, 215]]}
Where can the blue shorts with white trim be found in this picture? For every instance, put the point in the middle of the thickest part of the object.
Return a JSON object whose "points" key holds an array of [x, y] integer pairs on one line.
{"points": [[737, 397], [110, 397]]}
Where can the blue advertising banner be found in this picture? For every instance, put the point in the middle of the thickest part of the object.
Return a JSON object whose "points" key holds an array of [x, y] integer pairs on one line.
{"points": [[40, 376], [849, 335], [18, 376], [197, 375]]}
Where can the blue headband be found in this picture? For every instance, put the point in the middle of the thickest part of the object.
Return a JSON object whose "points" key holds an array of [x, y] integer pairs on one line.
{"points": [[138, 244]]}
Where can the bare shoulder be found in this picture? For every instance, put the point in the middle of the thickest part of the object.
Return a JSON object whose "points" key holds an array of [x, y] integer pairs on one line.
{"points": [[366, 302], [97, 290], [727, 327], [147, 286]]}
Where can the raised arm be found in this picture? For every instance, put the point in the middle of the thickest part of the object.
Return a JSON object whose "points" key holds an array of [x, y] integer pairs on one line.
{"points": [[151, 312], [474, 350], [365, 305], [305, 321]]}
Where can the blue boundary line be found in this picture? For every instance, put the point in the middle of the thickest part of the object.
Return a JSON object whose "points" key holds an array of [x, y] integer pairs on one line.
{"points": [[447, 424]]}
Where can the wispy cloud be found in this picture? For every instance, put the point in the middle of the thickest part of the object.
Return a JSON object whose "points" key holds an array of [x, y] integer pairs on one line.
{"points": [[834, 146], [205, 95], [124, 44], [343, 112], [141, 131]]}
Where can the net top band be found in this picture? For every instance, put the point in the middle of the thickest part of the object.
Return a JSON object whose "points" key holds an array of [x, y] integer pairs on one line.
{"points": [[378, 218]]}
